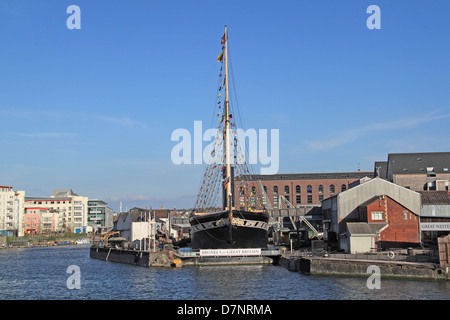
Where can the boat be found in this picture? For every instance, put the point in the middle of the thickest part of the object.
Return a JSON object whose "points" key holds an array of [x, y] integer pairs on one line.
{"points": [[83, 241], [227, 225]]}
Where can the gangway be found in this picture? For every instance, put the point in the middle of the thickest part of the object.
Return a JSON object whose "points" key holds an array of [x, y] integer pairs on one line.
{"points": [[282, 199], [291, 212]]}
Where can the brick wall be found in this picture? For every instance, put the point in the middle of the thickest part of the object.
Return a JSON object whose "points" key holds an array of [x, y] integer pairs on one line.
{"points": [[307, 196], [403, 225]]}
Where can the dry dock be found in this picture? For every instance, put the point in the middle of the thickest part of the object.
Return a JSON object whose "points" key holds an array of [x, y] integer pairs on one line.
{"points": [[228, 257], [176, 258]]}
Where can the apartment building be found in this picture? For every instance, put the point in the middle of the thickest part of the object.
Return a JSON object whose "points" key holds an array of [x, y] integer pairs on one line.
{"points": [[70, 209], [39, 220], [425, 171], [11, 211], [100, 216]]}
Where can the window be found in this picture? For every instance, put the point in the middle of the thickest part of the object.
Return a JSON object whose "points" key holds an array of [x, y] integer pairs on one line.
{"points": [[430, 172], [309, 188], [275, 190], [377, 215], [343, 187], [320, 197], [298, 199], [405, 215], [286, 189], [297, 189], [309, 198], [320, 188], [332, 190], [275, 200], [287, 198]]}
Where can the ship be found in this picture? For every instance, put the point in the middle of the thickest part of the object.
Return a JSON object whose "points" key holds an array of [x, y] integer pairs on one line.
{"points": [[225, 224]]}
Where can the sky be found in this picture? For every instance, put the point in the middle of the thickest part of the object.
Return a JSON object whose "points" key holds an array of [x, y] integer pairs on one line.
{"points": [[93, 109]]}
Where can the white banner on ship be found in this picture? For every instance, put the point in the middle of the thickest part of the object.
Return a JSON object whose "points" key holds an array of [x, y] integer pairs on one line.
{"points": [[229, 252]]}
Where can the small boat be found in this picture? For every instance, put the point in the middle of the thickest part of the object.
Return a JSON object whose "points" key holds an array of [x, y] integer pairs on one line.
{"points": [[83, 241]]}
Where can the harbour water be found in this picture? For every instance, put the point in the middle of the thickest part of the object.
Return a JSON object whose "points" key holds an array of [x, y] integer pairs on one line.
{"points": [[41, 274]]}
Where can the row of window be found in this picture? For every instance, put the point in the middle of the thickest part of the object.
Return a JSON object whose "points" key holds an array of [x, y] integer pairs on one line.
{"points": [[50, 202], [309, 189], [298, 199]]}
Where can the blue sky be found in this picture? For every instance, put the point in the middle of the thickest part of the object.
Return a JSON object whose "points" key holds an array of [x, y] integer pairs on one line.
{"points": [[93, 109]]}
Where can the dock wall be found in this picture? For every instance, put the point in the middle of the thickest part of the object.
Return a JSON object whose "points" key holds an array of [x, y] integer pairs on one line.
{"points": [[133, 257], [332, 266]]}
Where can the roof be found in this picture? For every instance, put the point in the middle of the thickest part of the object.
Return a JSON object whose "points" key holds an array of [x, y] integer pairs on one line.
{"points": [[96, 202], [310, 176], [139, 214], [414, 163], [160, 213], [366, 203], [352, 198], [60, 193], [364, 228], [435, 197]]}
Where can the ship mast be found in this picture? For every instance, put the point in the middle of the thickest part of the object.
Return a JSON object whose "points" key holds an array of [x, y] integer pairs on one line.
{"points": [[228, 177]]}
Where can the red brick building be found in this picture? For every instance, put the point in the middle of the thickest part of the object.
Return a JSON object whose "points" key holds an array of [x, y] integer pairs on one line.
{"points": [[399, 227], [299, 188]]}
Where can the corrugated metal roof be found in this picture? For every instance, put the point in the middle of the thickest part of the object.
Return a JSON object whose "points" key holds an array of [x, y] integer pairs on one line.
{"points": [[435, 197], [364, 228]]}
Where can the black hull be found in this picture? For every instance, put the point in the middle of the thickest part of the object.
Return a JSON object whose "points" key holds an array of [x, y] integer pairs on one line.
{"points": [[223, 235]]}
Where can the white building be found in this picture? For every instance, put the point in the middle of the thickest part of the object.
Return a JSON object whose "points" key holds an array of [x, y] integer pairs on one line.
{"points": [[11, 211], [70, 208], [134, 227]]}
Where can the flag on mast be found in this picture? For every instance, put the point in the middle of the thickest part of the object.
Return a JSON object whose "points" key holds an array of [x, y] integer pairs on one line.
{"points": [[220, 57]]}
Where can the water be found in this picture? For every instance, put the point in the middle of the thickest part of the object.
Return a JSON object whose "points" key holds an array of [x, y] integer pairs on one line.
{"points": [[41, 273]]}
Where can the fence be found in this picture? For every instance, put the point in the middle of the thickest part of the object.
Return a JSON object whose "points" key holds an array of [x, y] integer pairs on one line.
{"points": [[420, 256], [428, 257]]}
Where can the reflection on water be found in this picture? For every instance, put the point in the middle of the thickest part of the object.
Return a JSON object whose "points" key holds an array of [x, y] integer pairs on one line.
{"points": [[40, 273]]}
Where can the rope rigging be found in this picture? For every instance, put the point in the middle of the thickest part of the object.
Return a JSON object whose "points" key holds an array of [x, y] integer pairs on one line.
{"points": [[213, 178]]}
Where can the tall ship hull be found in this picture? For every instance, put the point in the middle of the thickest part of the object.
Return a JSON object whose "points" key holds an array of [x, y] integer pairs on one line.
{"points": [[246, 229]]}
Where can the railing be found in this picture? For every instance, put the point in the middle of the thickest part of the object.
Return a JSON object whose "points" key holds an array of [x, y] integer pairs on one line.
{"points": [[390, 256], [396, 255], [291, 212]]}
